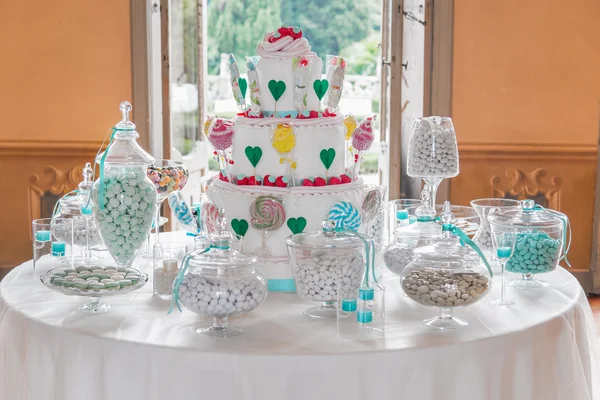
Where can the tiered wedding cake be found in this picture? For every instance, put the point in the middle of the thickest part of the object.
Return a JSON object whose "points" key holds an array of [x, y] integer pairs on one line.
{"points": [[288, 159]]}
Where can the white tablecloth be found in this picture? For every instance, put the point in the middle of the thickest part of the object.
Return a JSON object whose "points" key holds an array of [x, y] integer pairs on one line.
{"points": [[544, 348]]}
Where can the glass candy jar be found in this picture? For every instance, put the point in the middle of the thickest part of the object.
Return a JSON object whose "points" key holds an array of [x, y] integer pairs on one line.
{"points": [[446, 275], [219, 282], [408, 237], [124, 198], [539, 241], [483, 237], [321, 262]]}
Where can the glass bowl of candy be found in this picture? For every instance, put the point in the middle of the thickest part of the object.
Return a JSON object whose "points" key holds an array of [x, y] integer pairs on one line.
{"points": [[416, 227], [540, 241], [483, 207], [432, 150], [321, 261], [168, 176], [85, 229], [219, 282], [94, 282], [446, 275]]}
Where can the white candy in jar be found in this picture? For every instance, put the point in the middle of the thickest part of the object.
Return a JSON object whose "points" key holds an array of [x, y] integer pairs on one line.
{"points": [[80, 230], [219, 297], [396, 258], [433, 154], [318, 277]]}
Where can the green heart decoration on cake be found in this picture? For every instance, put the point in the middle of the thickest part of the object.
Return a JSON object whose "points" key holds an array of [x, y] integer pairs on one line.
{"points": [[296, 225], [277, 88], [327, 157], [243, 86], [240, 226], [254, 155], [320, 87]]}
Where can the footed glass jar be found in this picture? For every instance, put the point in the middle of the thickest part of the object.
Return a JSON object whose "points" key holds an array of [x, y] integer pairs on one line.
{"points": [[219, 282], [69, 207], [446, 275], [124, 198], [409, 236], [539, 241], [321, 262]]}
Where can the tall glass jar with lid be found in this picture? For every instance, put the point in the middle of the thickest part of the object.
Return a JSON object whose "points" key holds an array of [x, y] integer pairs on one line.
{"points": [[124, 198]]}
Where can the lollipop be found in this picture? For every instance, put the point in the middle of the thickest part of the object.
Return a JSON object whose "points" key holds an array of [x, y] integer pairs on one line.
{"points": [[238, 85], [266, 214], [371, 204], [209, 213], [182, 212], [220, 135], [345, 215], [255, 106], [336, 72], [361, 141], [284, 141], [350, 124]]}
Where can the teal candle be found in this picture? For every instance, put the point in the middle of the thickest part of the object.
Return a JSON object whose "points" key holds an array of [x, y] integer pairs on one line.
{"points": [[349, 305], [58, 248], [364, 316], [503, 252], [401, 214], [366, 293], [86, 210], [42, 236]]}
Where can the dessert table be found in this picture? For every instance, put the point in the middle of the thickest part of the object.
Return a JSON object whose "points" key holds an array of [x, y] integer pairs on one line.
{"points": [[543, 348]]}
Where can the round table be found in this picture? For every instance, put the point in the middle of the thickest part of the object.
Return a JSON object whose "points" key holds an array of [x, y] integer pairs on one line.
{"points": [[543, 348]]}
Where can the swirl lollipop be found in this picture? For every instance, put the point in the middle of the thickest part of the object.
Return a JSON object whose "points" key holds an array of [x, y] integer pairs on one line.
{"points": [[345, 215], [266, 214], [182, 212], [361, 141], [371, 204], [209, 213]]}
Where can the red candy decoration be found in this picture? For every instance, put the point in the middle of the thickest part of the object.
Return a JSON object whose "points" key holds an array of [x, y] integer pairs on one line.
{"points": [[334, 180], [284, 31], [320, 181], [281, 181], [295, 35], [243, 182], [307, 182], [345, 178]]}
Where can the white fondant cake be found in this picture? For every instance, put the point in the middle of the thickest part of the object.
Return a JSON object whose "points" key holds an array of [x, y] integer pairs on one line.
{"points": [[287, 152], [311, 136]]}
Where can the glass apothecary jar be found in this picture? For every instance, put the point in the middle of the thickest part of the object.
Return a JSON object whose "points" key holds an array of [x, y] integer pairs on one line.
{"points": [[409, 236], [219, 282], [540, 241], [446, 275], [321, 262], [124, 199], [70, 208]]}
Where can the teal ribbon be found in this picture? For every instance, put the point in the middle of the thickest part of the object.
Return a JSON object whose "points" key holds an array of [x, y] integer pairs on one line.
{"points": [[101, 183], [465, 239], [281, 285], [184, 266], [425, 218], [566, 226]]}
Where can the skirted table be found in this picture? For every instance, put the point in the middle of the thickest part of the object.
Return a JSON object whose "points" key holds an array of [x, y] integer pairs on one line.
{"points": [[545, 347]]}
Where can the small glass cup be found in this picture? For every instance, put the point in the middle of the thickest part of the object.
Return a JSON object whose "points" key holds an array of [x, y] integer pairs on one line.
{"points": [[52, 244], [166, 261]]}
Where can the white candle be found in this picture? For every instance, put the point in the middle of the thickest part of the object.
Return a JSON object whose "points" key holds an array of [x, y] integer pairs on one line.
{"points": [[169, 265]]}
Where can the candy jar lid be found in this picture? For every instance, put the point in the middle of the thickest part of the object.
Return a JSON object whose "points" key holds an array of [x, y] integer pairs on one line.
{"points": [[327, 238], [527, 216], [447, 249], [220, 253], [124, 149]]}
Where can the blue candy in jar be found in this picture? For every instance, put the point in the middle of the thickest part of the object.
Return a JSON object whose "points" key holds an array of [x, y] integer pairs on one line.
{"points": [[534, 253]]}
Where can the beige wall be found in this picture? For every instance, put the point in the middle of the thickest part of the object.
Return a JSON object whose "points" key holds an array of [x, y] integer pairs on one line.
{"points": [[526, 72], [65, 67]]}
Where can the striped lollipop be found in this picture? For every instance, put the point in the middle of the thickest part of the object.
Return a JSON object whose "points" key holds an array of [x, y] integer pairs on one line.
{"points": [[182, 212], [345, 215]]}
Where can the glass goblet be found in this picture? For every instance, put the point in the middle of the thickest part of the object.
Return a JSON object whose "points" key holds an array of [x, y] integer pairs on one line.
{"points": [[503, 244], [167, 176]]}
